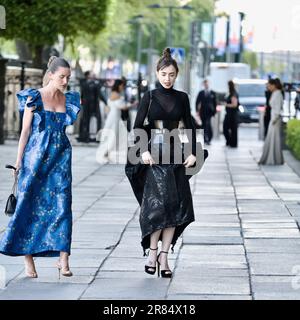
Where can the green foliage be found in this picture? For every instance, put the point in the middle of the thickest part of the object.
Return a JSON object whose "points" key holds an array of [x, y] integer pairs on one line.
{"points": [[293, 137], [7, 46], [250, 58], [275, 66], [38, 22], [101, 25], [119, 37]]}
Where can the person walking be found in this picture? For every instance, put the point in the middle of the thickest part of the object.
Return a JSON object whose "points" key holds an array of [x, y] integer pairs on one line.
{"points": [[230, 124], [112, 137], [272, 151], [166, 200], [297, 103], [125, 115], [206, 107], [41, 225], [90, 99]]}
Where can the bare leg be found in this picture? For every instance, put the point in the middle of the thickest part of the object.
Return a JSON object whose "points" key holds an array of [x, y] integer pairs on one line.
{"points": [[63, 265], [167, 237], [30, 267], [153, 245], [64, 260]]}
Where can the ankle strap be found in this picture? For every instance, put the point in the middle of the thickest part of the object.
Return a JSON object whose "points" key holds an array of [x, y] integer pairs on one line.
{"points": [[153, 249], [164, 252]]}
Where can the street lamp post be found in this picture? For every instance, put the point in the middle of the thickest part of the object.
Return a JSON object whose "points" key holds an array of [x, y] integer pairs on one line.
{"points": [[139, 44], [242, 17], [169, 39], [136, 20], [170, 9], [228, 55]]}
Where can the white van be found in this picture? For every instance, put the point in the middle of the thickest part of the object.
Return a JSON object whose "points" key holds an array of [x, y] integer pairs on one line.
{"points": [[221, 72]]}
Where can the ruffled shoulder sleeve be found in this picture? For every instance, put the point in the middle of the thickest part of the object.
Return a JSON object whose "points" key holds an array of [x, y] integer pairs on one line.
{"points": [[72, 106], [35, 100]]}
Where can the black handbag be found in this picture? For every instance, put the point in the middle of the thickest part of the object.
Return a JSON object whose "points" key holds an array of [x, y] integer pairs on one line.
{"points": [[12, 200]]}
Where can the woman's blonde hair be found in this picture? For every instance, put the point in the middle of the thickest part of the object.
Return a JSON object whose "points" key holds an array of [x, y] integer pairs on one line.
{"points": [[53, 64]]}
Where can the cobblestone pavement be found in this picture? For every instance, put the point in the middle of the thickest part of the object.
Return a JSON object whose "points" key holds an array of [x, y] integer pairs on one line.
{"points": [[244, 244]]}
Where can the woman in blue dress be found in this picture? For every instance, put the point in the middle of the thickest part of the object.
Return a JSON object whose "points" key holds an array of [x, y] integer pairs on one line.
{"points": [[42, 222]]}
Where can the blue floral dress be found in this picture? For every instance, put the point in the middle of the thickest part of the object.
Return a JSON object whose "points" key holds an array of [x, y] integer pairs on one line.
{"points": [[42, 222]]}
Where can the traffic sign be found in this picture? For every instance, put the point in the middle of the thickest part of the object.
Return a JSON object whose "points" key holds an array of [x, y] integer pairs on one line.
{"points": [[178, 54]]}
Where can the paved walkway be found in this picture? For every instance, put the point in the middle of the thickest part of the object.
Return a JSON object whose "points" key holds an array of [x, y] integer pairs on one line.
{"points": [[245, 243]]}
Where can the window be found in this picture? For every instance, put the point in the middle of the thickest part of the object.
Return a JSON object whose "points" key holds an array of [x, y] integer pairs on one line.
{"points": [[251, 90]]}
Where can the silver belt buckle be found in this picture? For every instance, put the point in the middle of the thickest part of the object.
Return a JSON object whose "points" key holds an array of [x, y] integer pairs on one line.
{"points": [[159, 136]]}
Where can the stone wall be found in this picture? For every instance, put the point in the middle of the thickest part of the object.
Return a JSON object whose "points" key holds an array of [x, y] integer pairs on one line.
{"points": [[33, 79]]}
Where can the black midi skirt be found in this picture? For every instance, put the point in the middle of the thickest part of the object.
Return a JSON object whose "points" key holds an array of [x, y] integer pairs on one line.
{"points": [[164, 195]]}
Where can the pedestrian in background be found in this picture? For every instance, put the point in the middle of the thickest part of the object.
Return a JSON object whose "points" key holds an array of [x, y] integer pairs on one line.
{"points": [[125, 116], [272, 151], [90, 99], [231, 121], [297, 103], [206, 107], [110, 137], [267, 115], [41, 225]]}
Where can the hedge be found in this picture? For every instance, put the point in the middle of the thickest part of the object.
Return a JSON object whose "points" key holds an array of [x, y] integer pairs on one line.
{"points": [[293, 137]]}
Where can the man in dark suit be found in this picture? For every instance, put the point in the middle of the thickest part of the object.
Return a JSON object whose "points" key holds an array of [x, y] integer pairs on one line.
{"points": [[297, 103], [125, 113], [206, 106], [90, 98]]}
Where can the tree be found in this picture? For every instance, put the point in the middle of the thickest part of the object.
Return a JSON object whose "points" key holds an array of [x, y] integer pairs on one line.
{"points": [[120, 38], [250, 58], [39, 22]]}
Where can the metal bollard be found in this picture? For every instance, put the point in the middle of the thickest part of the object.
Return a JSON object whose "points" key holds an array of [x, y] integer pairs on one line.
{"points": [[216, 125]]}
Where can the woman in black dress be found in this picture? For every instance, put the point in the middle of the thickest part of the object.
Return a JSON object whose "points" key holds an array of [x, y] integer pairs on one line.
{"points": [[231, 121], [165, 196]]}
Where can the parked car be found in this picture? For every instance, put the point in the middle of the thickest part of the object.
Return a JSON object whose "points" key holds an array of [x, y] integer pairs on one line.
{"points": [[251, 97]]}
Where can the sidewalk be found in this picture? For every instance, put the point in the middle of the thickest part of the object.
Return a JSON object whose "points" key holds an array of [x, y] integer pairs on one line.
{"points": [[244, 244]]}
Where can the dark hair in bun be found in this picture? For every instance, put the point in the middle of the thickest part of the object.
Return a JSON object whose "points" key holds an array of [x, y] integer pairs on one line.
{"points": [[167, 53], [166, 60]]}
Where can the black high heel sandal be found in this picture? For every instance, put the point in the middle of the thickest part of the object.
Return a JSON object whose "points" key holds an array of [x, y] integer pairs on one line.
{"points": [[148, 268], [164, 273]]}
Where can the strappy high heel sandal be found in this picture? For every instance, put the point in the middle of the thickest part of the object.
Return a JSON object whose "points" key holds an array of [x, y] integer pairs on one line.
{"points": [[150, 269], [164, 273], [64, 271]]}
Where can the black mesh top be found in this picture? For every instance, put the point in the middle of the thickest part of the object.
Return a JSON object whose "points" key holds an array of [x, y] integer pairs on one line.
{"points": [[168, 105]]}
